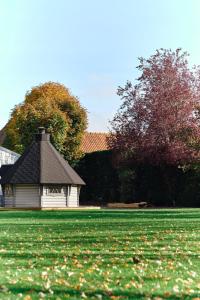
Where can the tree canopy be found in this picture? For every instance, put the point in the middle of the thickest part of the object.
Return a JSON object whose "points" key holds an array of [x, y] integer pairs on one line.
{"points": [[158, 121], [53, 106]]}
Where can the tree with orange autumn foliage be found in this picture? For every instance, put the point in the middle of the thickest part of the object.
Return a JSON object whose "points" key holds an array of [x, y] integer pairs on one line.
{"points": [[53, 106]]}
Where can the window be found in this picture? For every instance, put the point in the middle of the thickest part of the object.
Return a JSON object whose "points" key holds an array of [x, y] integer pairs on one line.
{"points": [[54, 190], [8, 190]]}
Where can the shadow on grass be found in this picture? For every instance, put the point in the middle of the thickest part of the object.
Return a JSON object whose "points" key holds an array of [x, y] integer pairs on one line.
{"points": [[128, 256], [102, 214], [77, 294]]}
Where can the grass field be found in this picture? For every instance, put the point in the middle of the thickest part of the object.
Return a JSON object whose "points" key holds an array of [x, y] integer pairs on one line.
{"points": [[104, 254]]}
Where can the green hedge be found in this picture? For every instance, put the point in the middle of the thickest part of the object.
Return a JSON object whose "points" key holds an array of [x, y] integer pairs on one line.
{"points": [[102, 182], [159, 186]]}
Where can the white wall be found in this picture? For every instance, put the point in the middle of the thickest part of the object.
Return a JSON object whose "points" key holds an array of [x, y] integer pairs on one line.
{"points": [[31, 196], [73, 196], [9, 201], [57, 200], [27, 196], [68, 198]]}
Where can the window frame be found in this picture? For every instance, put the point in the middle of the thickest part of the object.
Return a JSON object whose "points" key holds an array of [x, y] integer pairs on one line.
{"points": [[58, 187]]}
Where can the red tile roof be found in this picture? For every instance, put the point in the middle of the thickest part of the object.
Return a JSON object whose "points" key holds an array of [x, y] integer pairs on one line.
{"points": [[94, 141]]}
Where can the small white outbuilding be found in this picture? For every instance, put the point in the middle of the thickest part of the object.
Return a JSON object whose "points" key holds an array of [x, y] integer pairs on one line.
{"points": [[40, 178]]}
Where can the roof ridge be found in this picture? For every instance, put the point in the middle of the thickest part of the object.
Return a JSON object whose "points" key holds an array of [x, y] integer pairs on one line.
{"points": [[58, 157], [97, 132]]}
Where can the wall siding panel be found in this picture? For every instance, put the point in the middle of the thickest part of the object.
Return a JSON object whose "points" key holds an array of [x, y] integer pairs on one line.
{"points": [[9, 201], [53, 201], [73, 196], [48, 200], [27, 196]]}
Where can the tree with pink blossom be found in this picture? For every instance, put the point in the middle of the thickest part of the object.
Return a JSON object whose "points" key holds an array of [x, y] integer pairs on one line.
{"points": [[158, 122]]}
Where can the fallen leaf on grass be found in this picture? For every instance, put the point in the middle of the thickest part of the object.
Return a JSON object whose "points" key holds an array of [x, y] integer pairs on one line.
{"points": [[135, 259], [27, 297]]}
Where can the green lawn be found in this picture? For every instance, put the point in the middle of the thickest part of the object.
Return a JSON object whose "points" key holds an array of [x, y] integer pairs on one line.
{"points": [[104, 254]]}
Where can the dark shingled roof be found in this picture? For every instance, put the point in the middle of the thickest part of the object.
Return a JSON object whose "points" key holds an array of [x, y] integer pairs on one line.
{"points": [[41, 164], [4, 169]]}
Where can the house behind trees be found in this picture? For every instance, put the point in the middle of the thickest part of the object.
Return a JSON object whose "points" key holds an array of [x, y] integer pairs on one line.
{"points": [[7, 157]]}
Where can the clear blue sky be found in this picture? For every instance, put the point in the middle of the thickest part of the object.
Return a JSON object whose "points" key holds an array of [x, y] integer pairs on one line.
{"points": [[91, 46]]}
